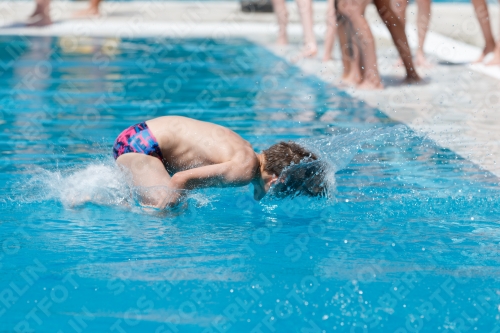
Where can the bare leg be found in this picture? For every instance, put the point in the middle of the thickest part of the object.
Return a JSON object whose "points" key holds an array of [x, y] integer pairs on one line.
{"points": [[399, 37], [93, 9], [496, 55], [483, 17], [41, 15], [345, 44], [354, 10], [149, 174], [282, 15], [423, 19], [350, 54], [345, 47], [355, 75], [399, 7], [331, 30], [306, 16]]}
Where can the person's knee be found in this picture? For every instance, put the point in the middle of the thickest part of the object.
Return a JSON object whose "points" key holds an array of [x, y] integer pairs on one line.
{"points": [[159, 202], [350, 11], [283, 14], [165, 200], [152, 198]]}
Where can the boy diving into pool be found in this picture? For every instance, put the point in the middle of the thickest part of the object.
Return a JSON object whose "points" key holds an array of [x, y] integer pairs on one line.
{"points": [[183, 154]]}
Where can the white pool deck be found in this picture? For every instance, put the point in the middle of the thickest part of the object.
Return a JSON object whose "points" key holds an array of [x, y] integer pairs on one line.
{"points": [[458, 106]]}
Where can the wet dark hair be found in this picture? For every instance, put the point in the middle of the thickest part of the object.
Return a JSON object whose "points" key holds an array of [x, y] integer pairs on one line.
{"points": [[302, 179], [300, 171], [281, 155]]}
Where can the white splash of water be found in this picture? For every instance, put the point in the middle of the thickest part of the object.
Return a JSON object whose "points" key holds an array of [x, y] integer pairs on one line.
{"points": [[339, 150], [98, 183], [101, 183], [334, 153]]}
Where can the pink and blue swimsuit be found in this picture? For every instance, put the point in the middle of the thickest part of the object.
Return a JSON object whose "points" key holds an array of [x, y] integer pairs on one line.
{"points": [[137, 139]]}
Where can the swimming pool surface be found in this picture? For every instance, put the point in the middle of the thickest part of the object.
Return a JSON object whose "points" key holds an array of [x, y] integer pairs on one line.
{"points": [[407, 242]]}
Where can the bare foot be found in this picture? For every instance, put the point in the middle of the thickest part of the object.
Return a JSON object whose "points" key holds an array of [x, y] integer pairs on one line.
{"points": [[414, 79], [351, 79], [38, 11], [486, 51], [282, 40], [310, 50], [496, 57], [75, 202], [40, 21], [370, 85], [89, 12], [327, 58], [421, 61]]}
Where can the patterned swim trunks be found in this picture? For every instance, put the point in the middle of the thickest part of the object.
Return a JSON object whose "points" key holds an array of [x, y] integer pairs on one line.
{"points": [[137, 139]]}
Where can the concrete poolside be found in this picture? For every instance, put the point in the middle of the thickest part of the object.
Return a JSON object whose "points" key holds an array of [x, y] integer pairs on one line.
{"points": [[456, 106]]}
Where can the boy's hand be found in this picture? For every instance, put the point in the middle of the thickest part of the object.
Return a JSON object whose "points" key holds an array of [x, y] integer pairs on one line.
{"points": [[177, 182], [172, 200], [176, 187]]}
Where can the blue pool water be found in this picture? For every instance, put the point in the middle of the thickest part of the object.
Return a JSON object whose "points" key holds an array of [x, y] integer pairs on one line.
{"points": [[407, 241]]}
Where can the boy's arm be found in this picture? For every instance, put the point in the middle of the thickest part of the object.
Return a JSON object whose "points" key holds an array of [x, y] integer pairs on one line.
{"points": [[216, 175]]}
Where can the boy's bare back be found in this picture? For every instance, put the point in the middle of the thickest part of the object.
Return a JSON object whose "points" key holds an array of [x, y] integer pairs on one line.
{"points": [[188, 143]]}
